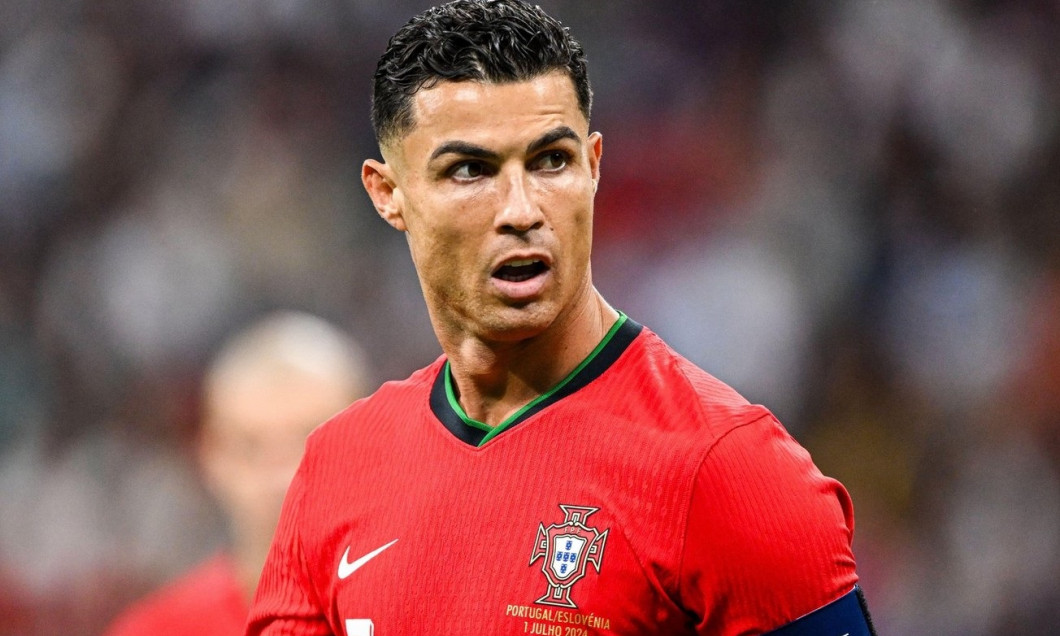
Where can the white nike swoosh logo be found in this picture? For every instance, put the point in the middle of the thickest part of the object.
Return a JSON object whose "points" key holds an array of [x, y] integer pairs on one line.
{"points": [[346, 568]]}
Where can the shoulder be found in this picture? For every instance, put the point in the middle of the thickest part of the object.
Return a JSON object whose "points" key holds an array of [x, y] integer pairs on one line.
{"points": [[744, 452], [767, 530], [208, 594], [363, 434], [389, 402], [683, 393]]}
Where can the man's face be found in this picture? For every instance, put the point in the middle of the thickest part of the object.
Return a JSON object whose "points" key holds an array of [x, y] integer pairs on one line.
{"points": [[254, 432], [494, 187]]}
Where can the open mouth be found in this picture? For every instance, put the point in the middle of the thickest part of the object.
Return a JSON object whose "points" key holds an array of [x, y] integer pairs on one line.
{"points": [[518, 271]]}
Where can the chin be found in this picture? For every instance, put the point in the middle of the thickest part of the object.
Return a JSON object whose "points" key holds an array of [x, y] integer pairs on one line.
{"points": [[520, 323]]}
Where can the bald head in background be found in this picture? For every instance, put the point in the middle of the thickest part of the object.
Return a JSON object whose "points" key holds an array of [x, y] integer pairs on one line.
{"points": [[267, 388]]}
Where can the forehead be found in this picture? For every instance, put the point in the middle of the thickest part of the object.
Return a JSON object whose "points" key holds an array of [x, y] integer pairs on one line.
{"points": [[490, 113]]}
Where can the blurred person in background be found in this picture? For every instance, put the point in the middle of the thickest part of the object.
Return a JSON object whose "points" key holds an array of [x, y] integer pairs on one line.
{"points": [[268, 387], [559, 465]]}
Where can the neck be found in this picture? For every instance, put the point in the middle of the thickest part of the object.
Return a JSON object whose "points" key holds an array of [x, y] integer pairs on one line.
{"points": [[493, 380], [249, 557]]}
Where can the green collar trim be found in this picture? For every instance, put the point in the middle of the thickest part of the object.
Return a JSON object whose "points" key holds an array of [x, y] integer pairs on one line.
{"points": [[493, 431]]}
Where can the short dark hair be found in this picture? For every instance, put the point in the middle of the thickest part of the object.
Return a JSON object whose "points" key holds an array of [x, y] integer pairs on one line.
{"points": [[479, 40]]}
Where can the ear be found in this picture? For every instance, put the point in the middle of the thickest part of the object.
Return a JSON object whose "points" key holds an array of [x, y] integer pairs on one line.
{"points": [[378, 180], [596, 150]]}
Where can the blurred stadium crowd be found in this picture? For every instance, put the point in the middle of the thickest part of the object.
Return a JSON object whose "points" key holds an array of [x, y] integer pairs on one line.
{"points": [[850, 211]]}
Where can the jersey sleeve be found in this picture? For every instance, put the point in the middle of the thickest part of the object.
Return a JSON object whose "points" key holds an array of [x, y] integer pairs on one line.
{"points": [[768, 537], [285, 602]]}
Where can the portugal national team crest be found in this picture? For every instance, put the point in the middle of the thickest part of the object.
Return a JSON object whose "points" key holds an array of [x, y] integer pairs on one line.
{"points": [[567, 548]]}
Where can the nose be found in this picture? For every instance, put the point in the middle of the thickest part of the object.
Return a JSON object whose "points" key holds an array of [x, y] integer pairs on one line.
{"points": [[519, 211]]}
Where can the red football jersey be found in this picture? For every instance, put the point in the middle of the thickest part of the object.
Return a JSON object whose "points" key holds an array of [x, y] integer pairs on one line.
{"points": [[640, 496], [208, 601]]}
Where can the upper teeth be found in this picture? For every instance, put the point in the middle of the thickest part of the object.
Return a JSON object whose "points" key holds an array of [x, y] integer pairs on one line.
{"points": [[522, 263]]}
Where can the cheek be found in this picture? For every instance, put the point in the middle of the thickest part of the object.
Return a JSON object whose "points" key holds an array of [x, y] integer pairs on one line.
{"points": [[432, 247], [576, 234], [574, 221], [439, 233]]}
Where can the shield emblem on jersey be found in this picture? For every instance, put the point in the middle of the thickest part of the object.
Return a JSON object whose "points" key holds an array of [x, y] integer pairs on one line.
{"points": [[567, 551]]}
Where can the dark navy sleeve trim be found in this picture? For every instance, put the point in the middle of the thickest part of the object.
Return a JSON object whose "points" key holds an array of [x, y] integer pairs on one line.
{"points": [[847, 616]]}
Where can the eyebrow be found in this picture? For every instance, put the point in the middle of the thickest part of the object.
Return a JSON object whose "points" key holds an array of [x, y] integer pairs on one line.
{"points": [[551, 137], [463, 148], [471, 150]]}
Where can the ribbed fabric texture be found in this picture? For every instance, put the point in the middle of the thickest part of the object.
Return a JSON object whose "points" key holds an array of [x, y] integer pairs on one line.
{"points": [[716, 521]]}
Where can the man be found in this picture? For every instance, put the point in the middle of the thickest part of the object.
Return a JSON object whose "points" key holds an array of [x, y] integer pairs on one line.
{"points": [[267, 388], [559, 470]]}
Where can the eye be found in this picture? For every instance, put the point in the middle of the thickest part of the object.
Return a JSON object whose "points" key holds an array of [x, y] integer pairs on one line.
{"points": [[468, 170], [551, 161]]}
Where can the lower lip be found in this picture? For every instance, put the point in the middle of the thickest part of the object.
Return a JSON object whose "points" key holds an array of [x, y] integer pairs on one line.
{"points": [[522, 290]]}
